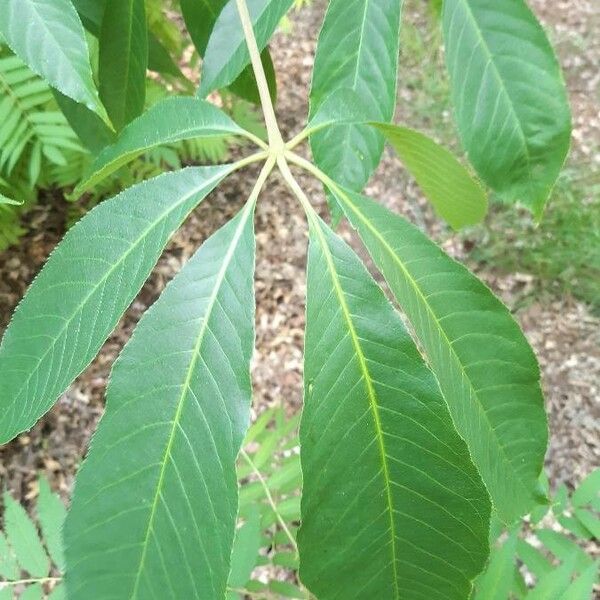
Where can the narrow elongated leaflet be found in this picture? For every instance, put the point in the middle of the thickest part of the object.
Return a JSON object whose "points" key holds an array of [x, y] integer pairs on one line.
{"points": [[159, 59], [123, 60], [509, 97], [89, 127], [84, 288], [226, 53], [357, 49], [155, 504], [23, 538], [200, 18], [51, 514], [170, 120], [392, 505], [48, 36], [456, 195], [487, 371]]}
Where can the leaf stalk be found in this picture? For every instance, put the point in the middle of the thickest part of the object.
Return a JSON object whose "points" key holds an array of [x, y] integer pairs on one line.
{"points": [[275, 140]]}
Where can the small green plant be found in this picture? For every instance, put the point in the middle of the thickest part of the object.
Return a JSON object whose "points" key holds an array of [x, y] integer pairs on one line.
{"points": [[404, 452], [31, 552], [540, 561]]}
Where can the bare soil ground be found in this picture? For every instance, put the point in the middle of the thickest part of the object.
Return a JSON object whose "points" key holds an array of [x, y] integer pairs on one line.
{"points": [[564, 333]]}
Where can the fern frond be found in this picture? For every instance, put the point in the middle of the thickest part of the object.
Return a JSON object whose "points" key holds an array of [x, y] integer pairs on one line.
{"points": [[31, 553], [31, 129], [21, 93]]}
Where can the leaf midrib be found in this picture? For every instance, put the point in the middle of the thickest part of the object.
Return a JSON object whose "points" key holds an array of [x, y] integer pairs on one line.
{"points": [[187, 386], [110, 271], [442, 333], [370, 391]]}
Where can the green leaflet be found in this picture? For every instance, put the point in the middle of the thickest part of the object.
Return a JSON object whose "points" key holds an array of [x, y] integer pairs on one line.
{"points": [[200, 18], [495, 583], [357, 49], [123, 60], [159, 59], [91, 12], [456, 195], [587, 490], [22, 536], [246, 549], [245, 85], [89, 127], [509, 97], [155, 502], [84, 288], [33, 592], [51, 514], [169, 120], [49, 38], [58, 593], [392, 506], [487, 372], [226, 53], [583, 586], [9, 568], [342, 107]]}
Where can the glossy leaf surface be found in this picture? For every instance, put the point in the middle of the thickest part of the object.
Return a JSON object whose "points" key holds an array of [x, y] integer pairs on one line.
{"points": [[509, 97], [226, 53], [155, 502], [357, 49], [123, 60], [170, 120], [456, 195], [392, 505], [487, 372], [48, 36], [84, 288]]}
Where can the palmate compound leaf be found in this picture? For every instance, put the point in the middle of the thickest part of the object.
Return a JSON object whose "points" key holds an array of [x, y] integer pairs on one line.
{"points": [[170, 120], [48, 36], [487, 371], [509, 97], [392, 506], [155, 503], [84, 288], [226, 54], [358, 49]]}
